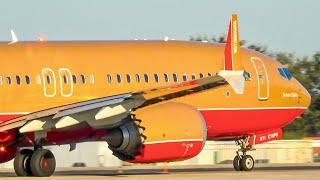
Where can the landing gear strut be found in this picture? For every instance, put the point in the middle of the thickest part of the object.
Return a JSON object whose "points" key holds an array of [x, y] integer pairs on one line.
{"points": [[243, 162], [40, 162]]}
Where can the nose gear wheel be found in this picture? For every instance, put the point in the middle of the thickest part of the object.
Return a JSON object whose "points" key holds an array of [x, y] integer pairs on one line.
{"points": [[243, 162]]}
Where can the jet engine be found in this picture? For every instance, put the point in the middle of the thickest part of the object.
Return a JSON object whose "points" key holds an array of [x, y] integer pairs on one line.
{"points": [[164, 132]]}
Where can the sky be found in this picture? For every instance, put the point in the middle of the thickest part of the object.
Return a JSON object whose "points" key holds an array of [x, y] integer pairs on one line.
{"points": [[281, 25]]}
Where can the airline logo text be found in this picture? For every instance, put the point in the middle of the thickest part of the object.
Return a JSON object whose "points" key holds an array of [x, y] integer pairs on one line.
{"points": [[235, 36]]}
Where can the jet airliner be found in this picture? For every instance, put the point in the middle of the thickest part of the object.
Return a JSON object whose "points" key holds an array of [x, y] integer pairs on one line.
{"points": [[151, 101]]}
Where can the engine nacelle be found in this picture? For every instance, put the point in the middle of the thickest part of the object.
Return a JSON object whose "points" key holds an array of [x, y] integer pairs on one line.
{"points": [[160, 133]]}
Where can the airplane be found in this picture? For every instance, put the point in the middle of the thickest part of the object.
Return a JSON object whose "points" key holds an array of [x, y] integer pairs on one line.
{"points": [[151, 101]]}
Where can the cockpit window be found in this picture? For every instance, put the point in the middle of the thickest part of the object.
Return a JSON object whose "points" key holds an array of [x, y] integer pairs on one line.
{"points": [[285, 73], [288, 74], [282, 73]]}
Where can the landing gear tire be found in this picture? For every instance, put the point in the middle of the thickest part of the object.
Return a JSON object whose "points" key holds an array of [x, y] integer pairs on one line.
{"points": [[22, 164], [236, 163], [43, 163], [247, 163], [243, 162]]}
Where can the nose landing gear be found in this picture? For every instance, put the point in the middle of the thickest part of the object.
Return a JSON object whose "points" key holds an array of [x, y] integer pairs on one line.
{"points": [[40, 162], [243, 162]]}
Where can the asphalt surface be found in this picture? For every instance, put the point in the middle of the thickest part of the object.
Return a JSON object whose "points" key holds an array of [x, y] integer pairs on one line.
{"points": [[221, 172]]}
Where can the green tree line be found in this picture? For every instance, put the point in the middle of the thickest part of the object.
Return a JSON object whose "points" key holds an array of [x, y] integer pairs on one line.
{"points": [[307, 71]]}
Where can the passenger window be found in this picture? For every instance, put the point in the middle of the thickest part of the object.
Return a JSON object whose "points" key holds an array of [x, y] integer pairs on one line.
{"points": [[9, 81], [109, 77], [201, 75], [166, 77], [146, 78], [28, 80], [175, 77], [83, 78], [48, 79], [128, 78], [1, 80], [65, 79], [119, 78], [184, 77], [18, 78], [156, 77], [209, 74], [193, 76], [74, 79], [38, 79], [91, 78], [138, 78]]}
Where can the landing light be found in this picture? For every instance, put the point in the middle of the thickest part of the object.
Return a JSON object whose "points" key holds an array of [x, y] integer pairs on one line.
{"points": [[2, 149], [41, 39]]}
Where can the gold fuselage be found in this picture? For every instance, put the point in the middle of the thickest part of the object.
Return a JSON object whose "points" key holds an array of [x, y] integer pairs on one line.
{"points": [[53, 66], [129, 57]]}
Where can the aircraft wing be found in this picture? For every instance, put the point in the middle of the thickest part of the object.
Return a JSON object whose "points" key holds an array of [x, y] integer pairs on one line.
{"points": [[108, 111]]}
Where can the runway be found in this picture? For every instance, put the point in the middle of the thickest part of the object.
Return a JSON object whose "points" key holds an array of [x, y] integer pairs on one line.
{"points": [[221, 172]]}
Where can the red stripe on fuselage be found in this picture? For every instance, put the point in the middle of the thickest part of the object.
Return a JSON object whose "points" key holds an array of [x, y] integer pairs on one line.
{"points": [[7, 117], [237, 122], [221, 123]]}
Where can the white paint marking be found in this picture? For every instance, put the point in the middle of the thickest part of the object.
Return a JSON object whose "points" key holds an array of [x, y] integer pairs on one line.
{"points": [[258, 78], [45, 82], [178, 140]]}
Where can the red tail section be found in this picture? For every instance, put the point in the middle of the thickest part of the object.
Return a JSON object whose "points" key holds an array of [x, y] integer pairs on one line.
{"points": [[232, 54], [233, 70]]}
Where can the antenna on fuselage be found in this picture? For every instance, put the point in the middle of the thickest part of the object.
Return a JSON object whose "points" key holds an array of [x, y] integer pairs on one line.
{"points": [[14, 38]]}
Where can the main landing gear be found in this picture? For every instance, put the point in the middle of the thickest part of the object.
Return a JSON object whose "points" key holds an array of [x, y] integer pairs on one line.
{"points": [[40, 162], [243, 162]]}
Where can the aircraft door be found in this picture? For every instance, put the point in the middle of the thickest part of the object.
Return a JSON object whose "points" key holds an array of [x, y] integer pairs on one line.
{"points": [[262, 77], [66, 83], [49, 82]]}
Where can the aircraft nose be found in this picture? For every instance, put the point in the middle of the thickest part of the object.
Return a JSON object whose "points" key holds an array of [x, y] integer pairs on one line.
{"points": [[305, 98]]}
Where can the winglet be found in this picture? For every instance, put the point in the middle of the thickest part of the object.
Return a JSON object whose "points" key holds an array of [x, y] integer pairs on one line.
{"points": [[232, 53], [233, 70], [14, 37]]}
